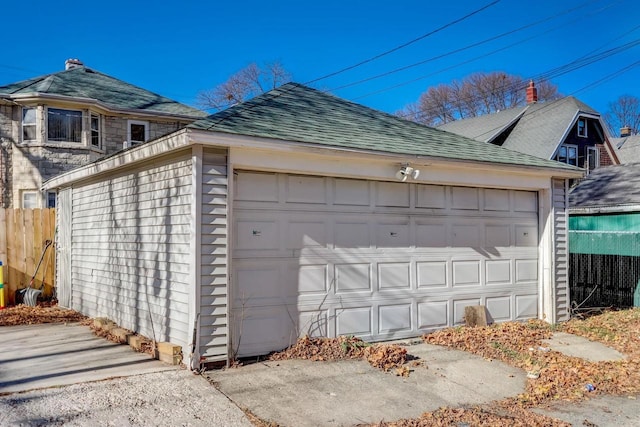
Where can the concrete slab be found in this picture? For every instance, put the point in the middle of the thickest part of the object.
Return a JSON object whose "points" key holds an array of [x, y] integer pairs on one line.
{"points": [[304, 393], [573, 345], [38, 356], [600, 411]]}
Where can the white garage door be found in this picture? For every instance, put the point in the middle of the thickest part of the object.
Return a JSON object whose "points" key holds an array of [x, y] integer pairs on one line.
{"points": [[379, 260]]}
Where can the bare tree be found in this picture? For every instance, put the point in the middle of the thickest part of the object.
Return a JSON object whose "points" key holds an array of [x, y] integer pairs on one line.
{"points": [[625, 111], [475, 95], [246, 83]]}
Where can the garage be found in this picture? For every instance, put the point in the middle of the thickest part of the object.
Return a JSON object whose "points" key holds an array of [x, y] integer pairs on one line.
{"points": [[379, 260], [289, 215]]}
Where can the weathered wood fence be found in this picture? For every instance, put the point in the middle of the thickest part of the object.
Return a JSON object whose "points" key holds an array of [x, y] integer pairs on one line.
{"points": [[23, 236]]}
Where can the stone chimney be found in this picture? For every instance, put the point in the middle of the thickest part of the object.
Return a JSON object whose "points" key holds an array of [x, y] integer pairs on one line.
{"points": [[625, 131], [72, 63], [532, 93]]}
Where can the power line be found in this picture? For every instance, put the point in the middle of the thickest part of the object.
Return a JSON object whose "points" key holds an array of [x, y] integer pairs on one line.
{"points": [[462, 49], [547, 75], [395, 49]]}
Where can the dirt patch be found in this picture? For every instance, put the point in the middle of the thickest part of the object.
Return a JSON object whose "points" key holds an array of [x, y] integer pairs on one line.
{"points": [[26, 315], [382, 356]]}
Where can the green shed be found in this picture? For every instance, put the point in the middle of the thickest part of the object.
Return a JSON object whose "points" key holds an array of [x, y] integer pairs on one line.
{"points": [[604, 238]]}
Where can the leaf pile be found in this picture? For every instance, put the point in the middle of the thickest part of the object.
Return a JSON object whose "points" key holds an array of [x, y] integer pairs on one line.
{"points": [[558, 376], [26, 315], [383, 356], [478, 416]]}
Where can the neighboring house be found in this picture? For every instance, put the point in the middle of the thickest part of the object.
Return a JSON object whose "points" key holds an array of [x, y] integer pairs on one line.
{"points": [[57, 122], [298, 213], [627, 146], [604, 239], [565, 130]]}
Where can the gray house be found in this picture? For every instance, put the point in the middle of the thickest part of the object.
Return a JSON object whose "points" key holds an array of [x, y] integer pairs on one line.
{"points": [[565, 130], [302, 213], [54, 123]]}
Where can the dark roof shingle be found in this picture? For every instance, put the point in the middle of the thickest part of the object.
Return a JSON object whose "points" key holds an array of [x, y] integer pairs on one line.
{"points": [[298, 113], [83, 82]]}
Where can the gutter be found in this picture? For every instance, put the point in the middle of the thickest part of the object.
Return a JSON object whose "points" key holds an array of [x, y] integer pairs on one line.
{"points": [[604, 209]]}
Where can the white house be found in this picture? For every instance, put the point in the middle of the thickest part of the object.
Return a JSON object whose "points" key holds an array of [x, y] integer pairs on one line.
{"points": [[291, 214]]}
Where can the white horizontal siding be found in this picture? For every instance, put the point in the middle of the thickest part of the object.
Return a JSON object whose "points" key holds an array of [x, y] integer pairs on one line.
{"points": [[561, 250], [131, 238], [213, 258]]}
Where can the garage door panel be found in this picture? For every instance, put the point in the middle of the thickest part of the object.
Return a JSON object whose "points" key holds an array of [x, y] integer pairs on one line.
{"points": [[526, 306], [431, 196], [394, 275], [499, 308], [350, 278], [351, 192], [353, 321], [261, 187], [352, 235], [433, 235], [432, 274], [497, 236], [392, 235], [496, 200], [465, 198], [394, 318], [305, 189], [305, 234], [328, 256], [466, 273], [392, 194], [498, 272]]}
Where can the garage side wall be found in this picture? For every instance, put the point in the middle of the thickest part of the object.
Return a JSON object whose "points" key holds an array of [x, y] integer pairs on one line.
{"points": [[131, 249], [561, 249], [213, 257]]}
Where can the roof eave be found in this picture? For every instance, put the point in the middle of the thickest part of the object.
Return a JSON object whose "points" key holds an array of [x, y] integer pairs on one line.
{"points": [[35, 96], [604, 209]]}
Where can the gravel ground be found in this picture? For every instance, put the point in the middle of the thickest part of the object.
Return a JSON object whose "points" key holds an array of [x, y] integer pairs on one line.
{"points": [[173, 398]]}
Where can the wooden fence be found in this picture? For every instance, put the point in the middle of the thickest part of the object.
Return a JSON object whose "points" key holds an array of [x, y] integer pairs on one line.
{"points": [[23, 236]]}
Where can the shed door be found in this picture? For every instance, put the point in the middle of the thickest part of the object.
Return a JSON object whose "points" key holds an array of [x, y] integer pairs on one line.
{"points": [[379, 260]]}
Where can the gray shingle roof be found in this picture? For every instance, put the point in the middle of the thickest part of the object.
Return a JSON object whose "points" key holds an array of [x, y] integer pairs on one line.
{"points": [[298, 113], [539, 129], [607, 187], [543, 125], [83, 82], [484, 128], [627, 148]]}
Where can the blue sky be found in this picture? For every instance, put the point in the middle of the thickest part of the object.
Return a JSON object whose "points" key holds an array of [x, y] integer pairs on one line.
{"points": [[180, 48]]}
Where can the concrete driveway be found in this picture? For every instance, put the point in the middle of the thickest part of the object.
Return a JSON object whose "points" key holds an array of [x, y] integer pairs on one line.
{"points": [[344, 393], [38, 356]]}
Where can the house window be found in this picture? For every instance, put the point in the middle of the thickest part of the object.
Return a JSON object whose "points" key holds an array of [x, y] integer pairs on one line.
{"points": [[28, 124], [95, 130], [568, 154], [593, 160], [64, 125], [582, 127], [51, 199], [29, 199], [138, 132]]}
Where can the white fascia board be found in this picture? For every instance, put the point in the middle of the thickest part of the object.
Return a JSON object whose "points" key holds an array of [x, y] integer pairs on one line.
{"points": [[176, 141], [36, 96], [265, 145]]}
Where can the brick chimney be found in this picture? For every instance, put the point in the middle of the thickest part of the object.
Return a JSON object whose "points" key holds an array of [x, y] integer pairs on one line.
{"points": [[72, 63], [532, 93], [625, 131]]}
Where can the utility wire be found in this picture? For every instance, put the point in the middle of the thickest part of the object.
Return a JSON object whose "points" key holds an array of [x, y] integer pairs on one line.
{"points": [[225, 117], [402, 46], [462, 49], [547, 75]]}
